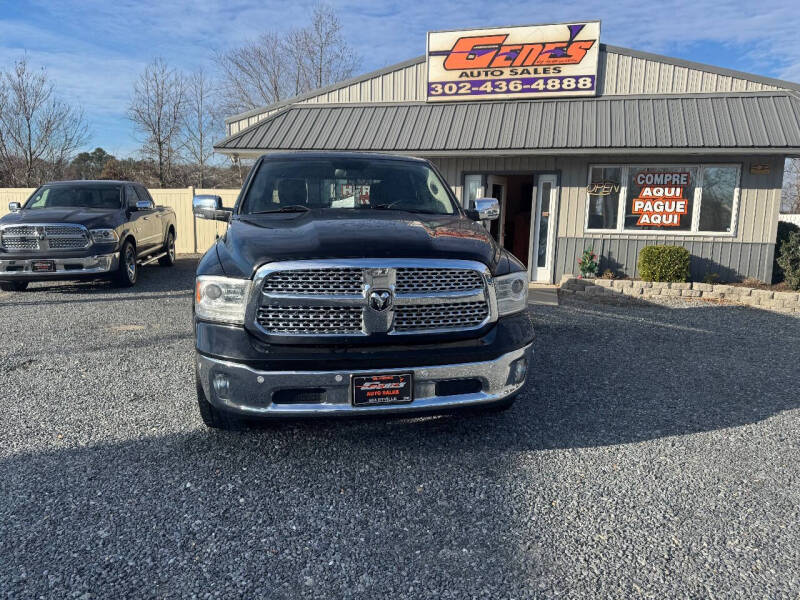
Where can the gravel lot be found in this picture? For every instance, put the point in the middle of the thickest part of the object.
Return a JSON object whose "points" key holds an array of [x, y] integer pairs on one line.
{"points": [[655, 453]]}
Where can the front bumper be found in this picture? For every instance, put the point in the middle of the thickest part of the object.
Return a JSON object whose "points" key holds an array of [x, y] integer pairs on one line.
{"points": [[249, 392], [22, 268]]}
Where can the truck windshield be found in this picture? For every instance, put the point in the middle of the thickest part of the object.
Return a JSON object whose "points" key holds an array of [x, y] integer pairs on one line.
{"points": [[346, 183], [76, 196]]}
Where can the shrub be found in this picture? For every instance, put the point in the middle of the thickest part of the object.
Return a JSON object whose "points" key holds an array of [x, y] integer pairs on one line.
{"points": [[711, 278], [785, 229], [587, 263], [789, 260], [664, 263], [608, 274]]}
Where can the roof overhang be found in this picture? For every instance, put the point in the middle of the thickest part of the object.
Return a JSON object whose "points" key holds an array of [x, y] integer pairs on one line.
{"points": [[751, 122]]}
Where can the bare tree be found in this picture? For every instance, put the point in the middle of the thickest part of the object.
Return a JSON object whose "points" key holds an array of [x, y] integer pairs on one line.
{"points": [[329, 58], [199, 127], [38, 133], [790, 195], [274, 66], [254, 74], [157, 109]]}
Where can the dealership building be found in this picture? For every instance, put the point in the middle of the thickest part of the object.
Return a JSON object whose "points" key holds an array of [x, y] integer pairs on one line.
{"points": [[585, 145]]}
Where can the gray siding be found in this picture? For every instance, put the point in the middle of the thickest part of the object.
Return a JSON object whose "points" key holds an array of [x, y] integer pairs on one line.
{"points": [[622, 72], [731, 260]]}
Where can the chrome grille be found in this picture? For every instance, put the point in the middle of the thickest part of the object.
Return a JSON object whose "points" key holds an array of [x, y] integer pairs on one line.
{"points": [[428, 317], [66, 230], [315, 281], [10, 243], [415, 280], [44, 237], [64, 243], [334, 297], [296, 320]]}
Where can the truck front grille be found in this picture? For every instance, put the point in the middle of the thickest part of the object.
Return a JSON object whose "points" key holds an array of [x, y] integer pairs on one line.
{"points": [[411, 281], [440, 316], [333, 297], [304, 320], [44, 237], [315, 281]]}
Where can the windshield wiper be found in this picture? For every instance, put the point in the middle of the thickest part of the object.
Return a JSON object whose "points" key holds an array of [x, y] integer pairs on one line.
{"points": [[283, 209]]}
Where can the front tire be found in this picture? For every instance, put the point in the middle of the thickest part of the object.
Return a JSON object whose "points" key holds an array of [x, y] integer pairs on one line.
{"points": [[128, 271], [215, 418], [169, 248], [14, 286]]}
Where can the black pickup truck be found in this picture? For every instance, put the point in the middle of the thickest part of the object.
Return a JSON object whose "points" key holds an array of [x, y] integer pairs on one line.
{"points": [[84, 229], [355, 284]]}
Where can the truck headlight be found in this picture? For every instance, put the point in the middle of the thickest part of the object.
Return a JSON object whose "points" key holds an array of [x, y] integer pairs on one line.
{"points": [[221, 299], [512, 293], [104, 236]]}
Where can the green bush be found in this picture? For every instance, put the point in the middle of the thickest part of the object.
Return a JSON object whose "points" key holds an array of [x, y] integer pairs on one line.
{"points": [[789, 260], [784, 231], [664, 263]]}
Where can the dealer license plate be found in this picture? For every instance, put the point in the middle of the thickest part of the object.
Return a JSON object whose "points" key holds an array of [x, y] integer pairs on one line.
{"points": [[43, 266], [382, 389]]}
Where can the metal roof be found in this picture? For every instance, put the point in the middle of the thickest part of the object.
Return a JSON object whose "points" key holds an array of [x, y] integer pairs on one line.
{"points": [[766, 121]]}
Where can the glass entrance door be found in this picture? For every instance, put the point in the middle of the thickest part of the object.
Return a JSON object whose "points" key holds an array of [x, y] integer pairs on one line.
{"points": [[545, 208]]}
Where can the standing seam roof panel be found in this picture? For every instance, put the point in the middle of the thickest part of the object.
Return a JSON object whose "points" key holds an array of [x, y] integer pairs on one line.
{"points": [[694, 136], [327, 135], [708, 125], [789, 123], [722, 116], [739, 118], [663, 136], [677, 123], [755, 119], [771, 119], [547, 126], [522, 136], [648, 123]]}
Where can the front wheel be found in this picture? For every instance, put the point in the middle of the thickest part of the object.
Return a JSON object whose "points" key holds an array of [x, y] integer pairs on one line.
{"points": [[128, 271], [14, 286], [169, 247]]}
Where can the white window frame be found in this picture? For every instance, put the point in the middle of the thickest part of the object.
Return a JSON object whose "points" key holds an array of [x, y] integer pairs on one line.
{"points": [[697, 200]]}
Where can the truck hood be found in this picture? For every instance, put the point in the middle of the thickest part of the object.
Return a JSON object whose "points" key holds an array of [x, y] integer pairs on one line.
{"points": [[80, 216], [254, 240]]}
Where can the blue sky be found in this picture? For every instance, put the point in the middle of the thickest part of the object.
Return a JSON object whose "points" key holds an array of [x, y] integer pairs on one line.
{"points": [[93, 50]]}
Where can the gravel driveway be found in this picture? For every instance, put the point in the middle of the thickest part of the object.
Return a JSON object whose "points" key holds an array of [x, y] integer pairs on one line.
{"points": [[655, 453]]}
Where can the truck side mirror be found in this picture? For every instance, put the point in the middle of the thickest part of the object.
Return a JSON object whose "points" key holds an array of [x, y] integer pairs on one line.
{"points": [[14, 206], [210, 207], [486, 209]]}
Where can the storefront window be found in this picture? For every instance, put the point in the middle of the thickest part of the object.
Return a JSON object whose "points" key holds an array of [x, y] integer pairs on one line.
{"points": [[663, 198], [660, 198], [716, 203], [605, 186]]}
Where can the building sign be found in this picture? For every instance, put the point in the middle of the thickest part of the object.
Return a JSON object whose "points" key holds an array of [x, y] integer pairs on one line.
{"points": [[661, 201], [514, 62]]}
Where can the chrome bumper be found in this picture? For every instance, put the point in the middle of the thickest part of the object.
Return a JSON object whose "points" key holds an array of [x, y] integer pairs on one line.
{"points": [[86, 265], [249, 392]]}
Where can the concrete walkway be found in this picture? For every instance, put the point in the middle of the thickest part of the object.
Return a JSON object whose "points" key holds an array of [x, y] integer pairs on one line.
{"points": [[539, 293]]}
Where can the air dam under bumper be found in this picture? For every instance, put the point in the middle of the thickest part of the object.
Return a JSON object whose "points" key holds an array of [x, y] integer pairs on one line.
{"points": [[249, 392], [22, 268]]}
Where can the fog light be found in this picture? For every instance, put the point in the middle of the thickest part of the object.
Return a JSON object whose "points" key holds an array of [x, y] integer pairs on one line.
{"points": [[222, 385], [519, 369]]}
